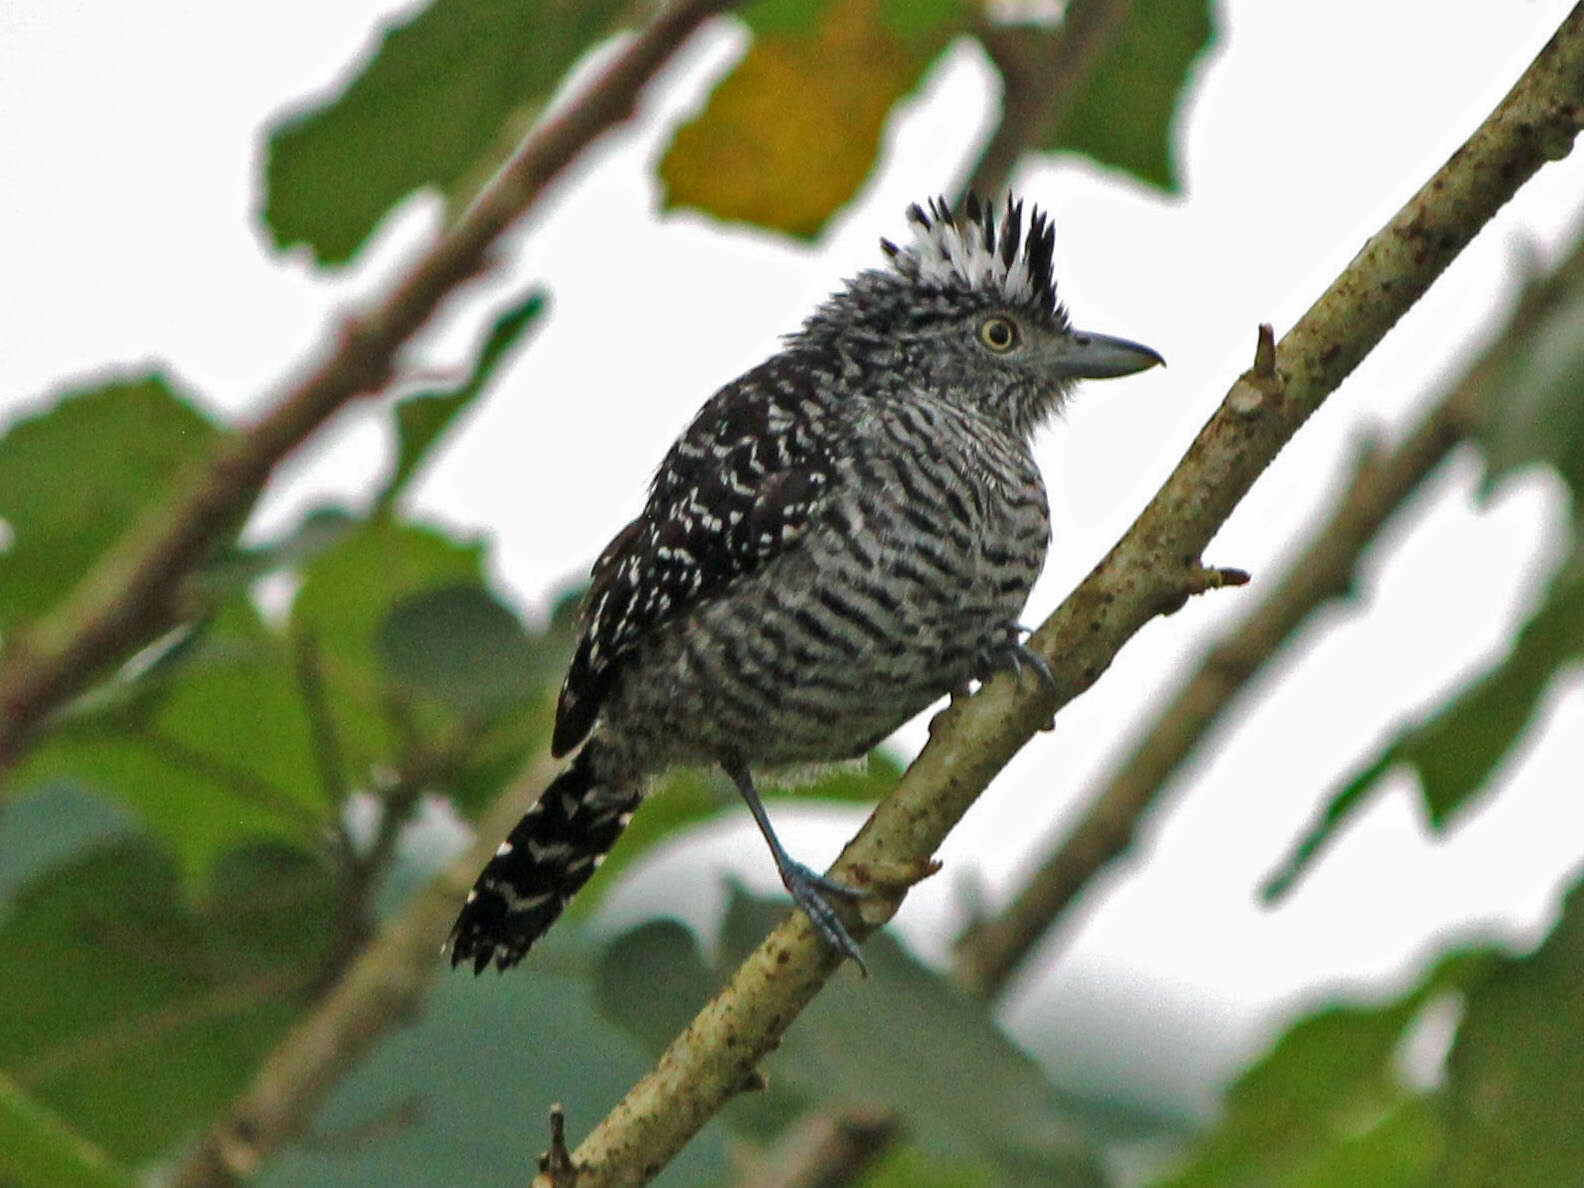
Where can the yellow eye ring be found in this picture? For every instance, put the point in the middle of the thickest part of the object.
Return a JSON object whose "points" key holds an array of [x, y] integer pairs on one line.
{"points": [[999, 334]]}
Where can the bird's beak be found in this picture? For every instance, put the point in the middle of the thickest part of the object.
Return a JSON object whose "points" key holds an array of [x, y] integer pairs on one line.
{"points": [[1099, 356]]}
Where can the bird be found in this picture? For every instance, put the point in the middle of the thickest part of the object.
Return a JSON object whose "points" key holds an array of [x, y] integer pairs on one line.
{"points": [[843, 535]]}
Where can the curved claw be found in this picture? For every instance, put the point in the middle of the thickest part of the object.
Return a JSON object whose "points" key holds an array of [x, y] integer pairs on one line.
{"points": [[809, 889], [1013, 654], [1021, 651]]}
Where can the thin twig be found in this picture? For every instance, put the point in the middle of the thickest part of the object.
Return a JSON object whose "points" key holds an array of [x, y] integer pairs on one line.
{"points": [[241, 783], [381, 988], [354, 921], [1148, 572], [136, 590], [142, 1030], [329, 761], [988, 953]]}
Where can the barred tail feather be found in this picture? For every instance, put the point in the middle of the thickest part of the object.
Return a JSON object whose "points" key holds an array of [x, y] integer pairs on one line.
{"points": [[543, 862]]}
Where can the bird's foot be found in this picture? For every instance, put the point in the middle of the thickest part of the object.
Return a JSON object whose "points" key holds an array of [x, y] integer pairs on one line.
{"points": [[1011, 654], [812, 892]]}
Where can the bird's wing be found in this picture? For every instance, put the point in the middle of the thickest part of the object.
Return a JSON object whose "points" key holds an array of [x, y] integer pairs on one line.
{"points": [[737, 488]]}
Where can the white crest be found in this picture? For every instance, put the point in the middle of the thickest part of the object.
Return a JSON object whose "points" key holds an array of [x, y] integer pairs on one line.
{"points": [[968, 251]]}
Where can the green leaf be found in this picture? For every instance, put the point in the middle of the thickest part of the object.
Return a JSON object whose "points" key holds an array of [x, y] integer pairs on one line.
{"points": [[460, 648], [422, 418], [209, 751], [902, 1037], [43, 831], [630, 991], [76, 476], [238, 567], [688, 797], [441, 103], [1328, 1098], [906, 18], [1398, 1150], [496, 756], [1124, 116], [39, 1150], [1514, 1113], [923, 21], [135, 1016], [346, 594], [1455, 748], [1539, 416], [790, 134], [765, 17], [461, 1094]]}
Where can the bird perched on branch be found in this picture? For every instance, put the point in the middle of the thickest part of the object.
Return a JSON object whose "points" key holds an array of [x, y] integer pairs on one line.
{"points": [[842, 535]]}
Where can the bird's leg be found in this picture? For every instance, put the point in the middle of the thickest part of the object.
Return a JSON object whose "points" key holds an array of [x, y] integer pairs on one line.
{"points": [[1010, 652], [807, 887]]}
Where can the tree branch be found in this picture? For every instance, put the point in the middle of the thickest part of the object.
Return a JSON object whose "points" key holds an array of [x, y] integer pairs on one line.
{"points": [[136, 591], [380, 989], [1149, 572], [825, 1149], [989, 953]]}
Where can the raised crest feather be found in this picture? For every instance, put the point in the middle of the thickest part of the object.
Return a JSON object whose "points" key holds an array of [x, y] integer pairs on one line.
{"points": [[969, 251]]}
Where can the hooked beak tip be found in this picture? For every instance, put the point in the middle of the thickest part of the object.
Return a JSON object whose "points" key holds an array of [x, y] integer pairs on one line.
{"points": [[1100, 356]]}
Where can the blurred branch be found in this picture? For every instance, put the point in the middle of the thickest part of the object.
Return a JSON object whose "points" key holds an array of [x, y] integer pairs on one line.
{"points": [[328, 759], [137, 590], [1151, 571], [1042, 72], [1323, 569], [359, 873], [380, 989], [826, 1149]]}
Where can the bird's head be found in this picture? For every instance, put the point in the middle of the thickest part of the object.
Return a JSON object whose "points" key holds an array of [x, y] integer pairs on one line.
{"points": [[968, 312]]}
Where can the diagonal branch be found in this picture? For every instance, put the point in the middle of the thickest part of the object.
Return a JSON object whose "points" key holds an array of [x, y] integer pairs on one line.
{"points": [[136, 591], [380, 988], [1149, 572], [989, 953]]}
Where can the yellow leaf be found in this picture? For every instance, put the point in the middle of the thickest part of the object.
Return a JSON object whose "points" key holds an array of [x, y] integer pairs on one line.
{"points": [[791, 133]]}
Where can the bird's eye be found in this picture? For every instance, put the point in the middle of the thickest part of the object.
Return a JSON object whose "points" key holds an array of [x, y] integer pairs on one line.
{"points": [[999, 334]]}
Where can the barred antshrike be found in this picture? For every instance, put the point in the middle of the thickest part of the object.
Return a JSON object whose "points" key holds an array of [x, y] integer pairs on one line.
{"points": [[842, 535]]}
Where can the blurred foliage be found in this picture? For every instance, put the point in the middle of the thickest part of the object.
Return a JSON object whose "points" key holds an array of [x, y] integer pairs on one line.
{"points": [[177, 861], [1332, 1105], [1511, 1107], [440, 103], [790, 134], [902, 1038], [1458, 744], [786, 138], [136, 1013], [210, 747], [1124, 116], [1538, 418], [461, 1096], [39, 1150], [422, 417], [75, 476]]}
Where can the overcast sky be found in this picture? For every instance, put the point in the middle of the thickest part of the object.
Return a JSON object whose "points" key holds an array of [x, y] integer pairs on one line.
{"points": [[128, 180]]}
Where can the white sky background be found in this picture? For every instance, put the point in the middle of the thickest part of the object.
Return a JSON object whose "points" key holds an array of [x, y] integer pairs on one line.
{"points": [[128, 168]]}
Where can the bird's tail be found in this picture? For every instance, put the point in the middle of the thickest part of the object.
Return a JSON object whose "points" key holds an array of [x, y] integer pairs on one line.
{"points": [[543, 862]]}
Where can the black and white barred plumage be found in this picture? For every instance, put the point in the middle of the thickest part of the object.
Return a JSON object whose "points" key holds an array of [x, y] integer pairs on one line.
{"points": [[842, 535]]}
